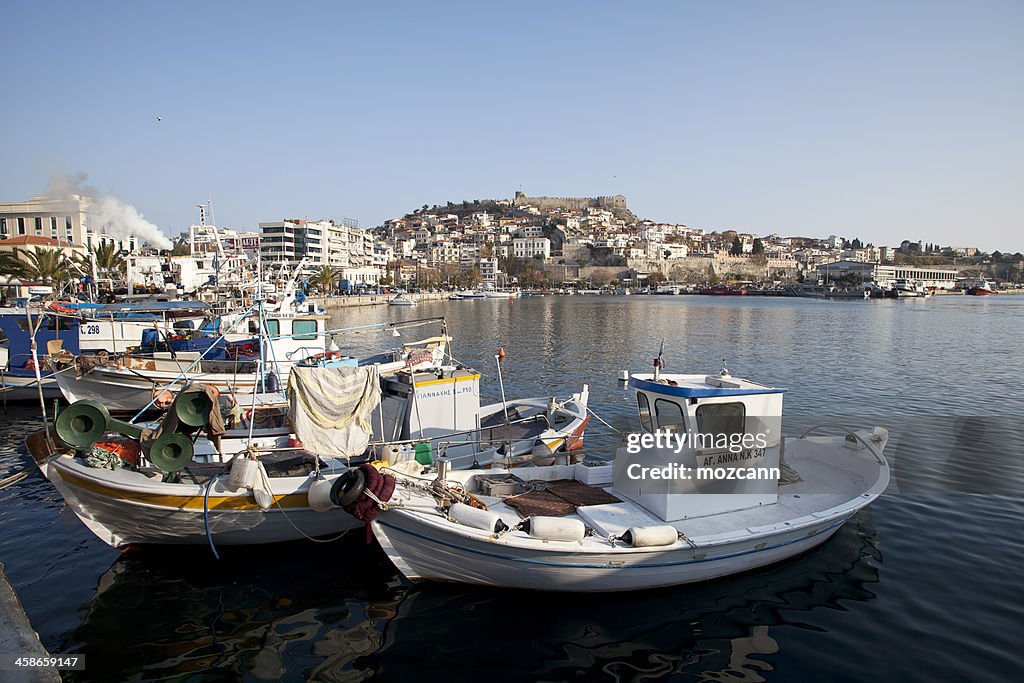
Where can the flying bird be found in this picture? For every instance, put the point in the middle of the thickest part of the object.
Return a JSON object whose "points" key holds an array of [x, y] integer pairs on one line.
{"points": [[159, 119]]}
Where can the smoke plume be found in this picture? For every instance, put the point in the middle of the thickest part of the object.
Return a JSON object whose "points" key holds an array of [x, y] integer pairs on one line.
{"points": [[107, 213]]}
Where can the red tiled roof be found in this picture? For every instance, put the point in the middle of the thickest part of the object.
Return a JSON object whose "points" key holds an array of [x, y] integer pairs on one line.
{"points": [[34, 240]]}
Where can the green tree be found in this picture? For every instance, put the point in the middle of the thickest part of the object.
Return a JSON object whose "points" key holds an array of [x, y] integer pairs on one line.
{"points": [[325, 277], [737, 246], [758, 247], [39, 264], [109, 260]]}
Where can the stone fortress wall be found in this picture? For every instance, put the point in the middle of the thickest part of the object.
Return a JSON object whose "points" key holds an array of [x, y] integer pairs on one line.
{"points": [[612, 203]]}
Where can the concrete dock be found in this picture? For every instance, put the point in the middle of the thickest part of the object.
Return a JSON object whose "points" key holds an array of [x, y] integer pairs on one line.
{"points": [[334, 302], [17, 637]]}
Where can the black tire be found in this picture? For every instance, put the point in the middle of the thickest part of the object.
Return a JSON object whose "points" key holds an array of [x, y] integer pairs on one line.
{"points": [[348, 487]]}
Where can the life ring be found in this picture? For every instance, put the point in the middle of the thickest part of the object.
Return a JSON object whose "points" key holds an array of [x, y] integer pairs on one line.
{"points": [[348, 487], [60, 308]]}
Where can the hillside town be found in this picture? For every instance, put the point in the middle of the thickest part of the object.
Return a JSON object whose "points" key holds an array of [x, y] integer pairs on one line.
{"points": [[523, 242]]}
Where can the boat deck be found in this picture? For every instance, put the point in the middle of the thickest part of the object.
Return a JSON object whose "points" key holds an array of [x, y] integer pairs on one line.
{"points": [[831, 485]]}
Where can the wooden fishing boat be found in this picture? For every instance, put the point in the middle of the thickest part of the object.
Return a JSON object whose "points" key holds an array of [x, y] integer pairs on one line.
{"points": [[649, 518]]}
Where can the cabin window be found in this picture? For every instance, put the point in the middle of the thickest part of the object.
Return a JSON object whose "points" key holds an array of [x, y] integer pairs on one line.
{"points": [[721, 418], [304, 329], [669, 414], [645, 412], [273, 327]]}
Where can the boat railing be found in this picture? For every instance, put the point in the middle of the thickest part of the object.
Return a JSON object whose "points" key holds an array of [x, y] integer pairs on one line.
{"points": [[310, 351], [867, 443]]}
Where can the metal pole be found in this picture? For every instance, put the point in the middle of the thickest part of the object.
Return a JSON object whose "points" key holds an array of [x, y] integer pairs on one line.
{"points": [[501, 383]]}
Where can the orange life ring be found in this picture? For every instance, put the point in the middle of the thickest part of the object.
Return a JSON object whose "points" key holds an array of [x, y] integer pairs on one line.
{"points": [[60, 308]]}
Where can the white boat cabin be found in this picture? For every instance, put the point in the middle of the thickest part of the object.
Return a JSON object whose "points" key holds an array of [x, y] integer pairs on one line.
{"points": [[708, 444], [292, 338]]}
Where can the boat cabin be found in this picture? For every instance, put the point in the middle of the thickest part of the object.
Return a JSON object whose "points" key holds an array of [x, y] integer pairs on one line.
{"points": [[15, 339], [707, 445], [292, 337]]}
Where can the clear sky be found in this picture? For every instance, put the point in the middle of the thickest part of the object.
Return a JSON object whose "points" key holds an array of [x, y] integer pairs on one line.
{"points": [[881, 120]]}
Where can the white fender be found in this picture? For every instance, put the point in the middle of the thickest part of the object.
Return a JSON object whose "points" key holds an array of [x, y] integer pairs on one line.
{"points": [[467, 515], [319, 495], [650, 536], [555, 528]]}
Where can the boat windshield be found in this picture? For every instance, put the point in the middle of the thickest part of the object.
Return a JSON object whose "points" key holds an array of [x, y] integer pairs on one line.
{"points": [[669, 414], [645, 412]]}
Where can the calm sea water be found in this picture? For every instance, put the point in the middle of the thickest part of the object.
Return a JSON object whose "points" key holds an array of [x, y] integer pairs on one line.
{"points": [[923, 585]]}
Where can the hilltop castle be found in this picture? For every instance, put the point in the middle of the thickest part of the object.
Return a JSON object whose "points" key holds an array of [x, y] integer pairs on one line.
{"points": [[612, 203]]}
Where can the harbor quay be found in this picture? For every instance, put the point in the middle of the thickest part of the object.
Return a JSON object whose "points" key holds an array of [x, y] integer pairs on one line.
{"points": [[19, 640], [331, 302]]}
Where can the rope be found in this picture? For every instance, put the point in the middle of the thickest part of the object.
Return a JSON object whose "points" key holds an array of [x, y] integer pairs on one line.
{"points": [[601, 420], [206, 516], [13, 479], [307, 536]]}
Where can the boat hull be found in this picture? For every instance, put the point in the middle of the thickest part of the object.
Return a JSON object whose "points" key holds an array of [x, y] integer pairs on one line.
{"points": [[125, 508], [124, 391], [16, 388], [421, 553], [835, 481]]}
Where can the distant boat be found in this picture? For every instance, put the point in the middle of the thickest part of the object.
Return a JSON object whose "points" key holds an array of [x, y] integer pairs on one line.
{"points": [[723, 290], [980, 288], [909, 289], [401, 301], [500, 294]]}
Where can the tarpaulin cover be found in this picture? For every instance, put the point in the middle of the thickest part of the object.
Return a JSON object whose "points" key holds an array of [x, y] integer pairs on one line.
{"points": [[330, 408]]}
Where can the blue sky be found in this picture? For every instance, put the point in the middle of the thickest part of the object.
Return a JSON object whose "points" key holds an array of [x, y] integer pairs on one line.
{"points": [[878, 120]]}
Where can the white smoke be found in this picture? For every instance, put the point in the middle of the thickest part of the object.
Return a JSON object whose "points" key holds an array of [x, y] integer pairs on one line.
{"points": [[108, 214]]}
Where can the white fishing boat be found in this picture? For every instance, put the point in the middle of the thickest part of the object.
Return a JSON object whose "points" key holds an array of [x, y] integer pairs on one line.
{"points": [[404, 411], [909, 289], [500, 294], [639, 522], [401, 300], [129, 382]]}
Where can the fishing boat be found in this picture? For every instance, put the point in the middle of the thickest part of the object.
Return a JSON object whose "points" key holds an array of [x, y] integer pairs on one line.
{"points": [[194, 492], [127, 493], [909, 289], [980, 288], [18, 371], [649, 518], [129, 381]]}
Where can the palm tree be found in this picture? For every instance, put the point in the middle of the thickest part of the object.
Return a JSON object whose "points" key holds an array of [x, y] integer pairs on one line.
{"points": [[325, 278], [12, 266], [38, 264], [109, 259]]}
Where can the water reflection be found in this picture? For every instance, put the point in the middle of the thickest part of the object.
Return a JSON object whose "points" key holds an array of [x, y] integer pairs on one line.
{"points": [[340, 614], [713, 631]]}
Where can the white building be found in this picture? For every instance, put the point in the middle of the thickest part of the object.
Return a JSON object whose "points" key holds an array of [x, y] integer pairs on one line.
{"points": [[489, 272], [68, 219], [320, 243]]}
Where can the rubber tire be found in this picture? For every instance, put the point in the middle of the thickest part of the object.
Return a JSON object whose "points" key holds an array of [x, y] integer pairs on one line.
{"points": [[348, 487]]}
